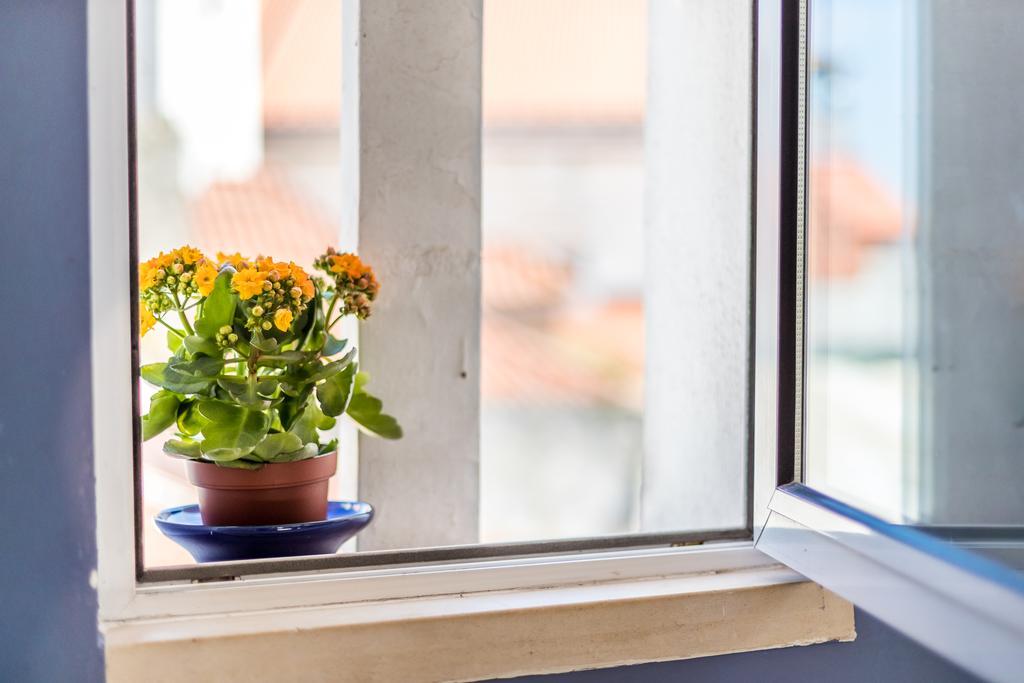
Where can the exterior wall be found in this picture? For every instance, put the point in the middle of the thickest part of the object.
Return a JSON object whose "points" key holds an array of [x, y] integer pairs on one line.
{"points": [[47, 511], [698, 265]]}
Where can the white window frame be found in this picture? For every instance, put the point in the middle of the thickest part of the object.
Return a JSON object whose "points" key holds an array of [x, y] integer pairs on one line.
{"points": [[428, 588]]}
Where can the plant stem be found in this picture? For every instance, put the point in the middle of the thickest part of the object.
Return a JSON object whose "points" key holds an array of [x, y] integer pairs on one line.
{"points": [[172, 329], [181, 313], [330, 309]]}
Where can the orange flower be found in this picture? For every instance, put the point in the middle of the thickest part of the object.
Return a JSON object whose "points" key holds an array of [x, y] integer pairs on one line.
{"points": [[283, 319], [237, 260], [303, 282], [348, 264], [248, 283], [206, 276]]}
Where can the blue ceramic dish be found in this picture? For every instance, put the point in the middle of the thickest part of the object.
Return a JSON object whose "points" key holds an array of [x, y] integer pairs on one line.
{"points": [[184, 526]]}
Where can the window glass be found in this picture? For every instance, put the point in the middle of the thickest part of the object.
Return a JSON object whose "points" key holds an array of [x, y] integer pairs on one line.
{"points": [[238, 105], [915, 389], [563, 264]]}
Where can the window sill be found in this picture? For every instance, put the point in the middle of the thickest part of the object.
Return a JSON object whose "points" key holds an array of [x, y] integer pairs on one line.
{"points": [[490, 634]]}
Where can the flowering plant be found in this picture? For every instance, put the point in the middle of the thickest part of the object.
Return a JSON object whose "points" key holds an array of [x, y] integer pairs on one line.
{"points": [[255, 373]]}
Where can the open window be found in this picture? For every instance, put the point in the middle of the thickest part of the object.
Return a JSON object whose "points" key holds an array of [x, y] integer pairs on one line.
{"points": [[885, 182], [554, 253]]}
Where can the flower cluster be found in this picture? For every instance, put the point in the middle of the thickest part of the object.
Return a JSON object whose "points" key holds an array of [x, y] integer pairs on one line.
{"points": [[354, 282], [166, 281], [275, 292]]}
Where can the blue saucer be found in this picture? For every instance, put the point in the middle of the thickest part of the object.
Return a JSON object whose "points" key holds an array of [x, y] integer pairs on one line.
{"points": [[184, 526]]}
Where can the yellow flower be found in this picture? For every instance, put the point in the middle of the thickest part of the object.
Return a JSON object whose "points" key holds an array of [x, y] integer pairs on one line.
{"points": [[147, 274], [236, 260], [146, 320], [189, 255], [283, 319], [205, 277], [248, 283]]}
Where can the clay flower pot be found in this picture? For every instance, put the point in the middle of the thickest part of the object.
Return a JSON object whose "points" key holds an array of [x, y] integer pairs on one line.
{"points": [[277, 493]]}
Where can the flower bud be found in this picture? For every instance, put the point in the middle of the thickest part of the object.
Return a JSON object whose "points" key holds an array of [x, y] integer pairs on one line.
{"points": [[232, 337], [266, 325], [225, 329], [295, 292], [267, 286], [177, 268], [171, 279], [186, 277], [257, 311]]}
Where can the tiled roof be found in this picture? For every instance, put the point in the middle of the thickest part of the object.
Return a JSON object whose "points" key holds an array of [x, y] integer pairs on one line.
{"points": [[263, 215]]}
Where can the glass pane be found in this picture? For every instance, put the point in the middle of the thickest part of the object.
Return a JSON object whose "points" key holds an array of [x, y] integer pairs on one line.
{"points": [[915, 389], [238, 151], [562, 345], [238, 106]]}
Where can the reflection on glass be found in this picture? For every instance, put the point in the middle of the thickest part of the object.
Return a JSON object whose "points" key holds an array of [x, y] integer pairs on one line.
{"points": [[915, 264]]}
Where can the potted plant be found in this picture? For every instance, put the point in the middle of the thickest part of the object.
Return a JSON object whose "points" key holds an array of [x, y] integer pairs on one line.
{"points": [[255, 375]]}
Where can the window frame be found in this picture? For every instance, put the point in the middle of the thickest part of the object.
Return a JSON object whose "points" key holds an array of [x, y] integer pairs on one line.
{"points": [[128, 592], [964, 606]]}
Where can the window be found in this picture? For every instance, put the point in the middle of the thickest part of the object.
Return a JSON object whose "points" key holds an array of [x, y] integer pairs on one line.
{"points": [[575, 197], [408, 178], [900, 254]]}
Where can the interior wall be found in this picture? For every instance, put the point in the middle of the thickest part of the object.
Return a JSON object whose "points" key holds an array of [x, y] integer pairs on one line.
{"points": [[47, 515], [47, 512]]}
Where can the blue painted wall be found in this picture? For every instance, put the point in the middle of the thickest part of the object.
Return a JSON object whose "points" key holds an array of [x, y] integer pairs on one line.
{"points": [[47, 517]]}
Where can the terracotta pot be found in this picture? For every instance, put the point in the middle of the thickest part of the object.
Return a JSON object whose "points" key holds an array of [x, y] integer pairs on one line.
{"points": [[278, 493]]}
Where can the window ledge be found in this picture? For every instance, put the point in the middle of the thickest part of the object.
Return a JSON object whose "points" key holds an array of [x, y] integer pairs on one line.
{"points": [[488, 635]]}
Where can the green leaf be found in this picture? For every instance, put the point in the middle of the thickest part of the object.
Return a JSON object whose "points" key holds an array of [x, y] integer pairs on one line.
{"points": [[173, 341], [264, 345], [198, 367], [310, 450], [335, 392], [184, 447], [333, 346], [275, 444], [165, 377], [219, 307], [367, 411], [292, 407], [232, 431], [163, 409], [190, 422], [196, 344], [328, 447], [240, 464], [334, 367], [308, 423]]}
